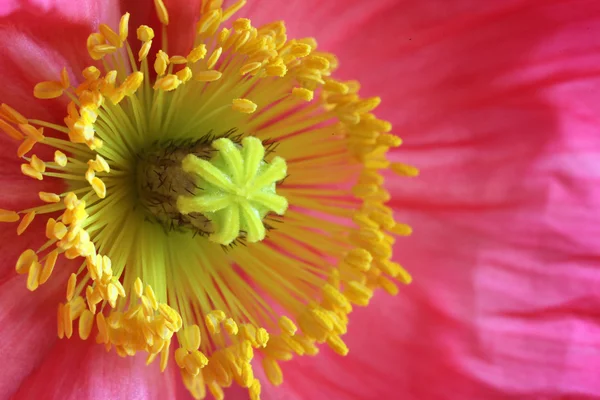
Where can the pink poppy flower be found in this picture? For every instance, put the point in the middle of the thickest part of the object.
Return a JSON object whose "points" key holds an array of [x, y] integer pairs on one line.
{"points": [[494, 102]]}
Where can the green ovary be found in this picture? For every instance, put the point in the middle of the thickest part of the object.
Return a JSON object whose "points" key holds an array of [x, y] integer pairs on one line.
{"points": [[236, 189]]}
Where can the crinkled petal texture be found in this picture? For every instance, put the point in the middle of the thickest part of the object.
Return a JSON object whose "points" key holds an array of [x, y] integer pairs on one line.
{"points": [[76, 370], [498, 105]]}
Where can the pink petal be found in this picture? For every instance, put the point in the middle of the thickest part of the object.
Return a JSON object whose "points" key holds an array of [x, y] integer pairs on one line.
{"points": [[498, 105], [28, 323], [78, 369], [183, 16]]}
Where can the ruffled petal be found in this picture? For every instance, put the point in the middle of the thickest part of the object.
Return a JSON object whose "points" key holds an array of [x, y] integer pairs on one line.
{"points": [[498, 105], [76, 369]]}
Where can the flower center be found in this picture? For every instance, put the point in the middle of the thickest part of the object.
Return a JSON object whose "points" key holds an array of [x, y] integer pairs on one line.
{"points": [[158, 185], [221, 189]]}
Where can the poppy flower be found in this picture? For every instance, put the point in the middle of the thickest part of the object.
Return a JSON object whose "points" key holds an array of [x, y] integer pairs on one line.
{"points": [[203, 192], [496, 103]]}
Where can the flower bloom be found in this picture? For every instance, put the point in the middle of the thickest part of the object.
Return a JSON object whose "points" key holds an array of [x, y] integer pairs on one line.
{"points": [[229, 195]]}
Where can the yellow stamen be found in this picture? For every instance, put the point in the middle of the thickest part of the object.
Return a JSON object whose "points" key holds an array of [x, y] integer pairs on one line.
{"points": [[244, 106], [196, 184]]}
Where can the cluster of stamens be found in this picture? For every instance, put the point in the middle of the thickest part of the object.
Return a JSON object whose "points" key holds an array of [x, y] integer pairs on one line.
{"points": [[222, 188]]}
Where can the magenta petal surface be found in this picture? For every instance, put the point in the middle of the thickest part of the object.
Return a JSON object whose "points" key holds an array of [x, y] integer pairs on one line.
{"points": [[75, 369]]}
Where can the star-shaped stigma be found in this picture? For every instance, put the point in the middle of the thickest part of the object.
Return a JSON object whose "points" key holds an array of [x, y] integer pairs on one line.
{"points": [[237, 189]]}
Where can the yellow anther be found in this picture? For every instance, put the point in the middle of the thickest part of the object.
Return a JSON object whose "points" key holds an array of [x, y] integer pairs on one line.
{"points": [[316, 62], [151, 297], [388, 140], [212, 324], [112, 294], [334, 86], [37, 164], [359, 259], [48, 266], [214, 57], [287, 326], [132, 83], [387, 285], [246, 375], [250, 67], [26, 259], [13, 115], [167, 83], [197, 53], [86, 323], [404, 170], [358, 293], [48, 90], [207, 21], [33, 276], [31, 132], [138, 287], [178, 60], [170, 315], [207, 76], [337, 345], [232, 9], [184, 75], [161, 62], [336, 298], [230, 326], [302, 93], [91, 73], [262, 337], [59, 321], [64, 78], [276, 70], [8, 216], [272, 371], [10, 130], [180, 354], [124, 27], [244, 106], [60, 158], [103, 49], [300, 50], [144, 50], [71, 286], [401, 229], [254, 390], [111, 36], [27, 219], [199, 358], [26, 147], [99, 187], [145, 33], [164, 356], [161, 12], [49, 197], [59, 230], [242, 24], [102, 329], [191, 337]]}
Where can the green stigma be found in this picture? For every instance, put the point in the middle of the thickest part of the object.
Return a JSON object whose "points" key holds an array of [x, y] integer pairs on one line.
{"points": [[236, 189]]}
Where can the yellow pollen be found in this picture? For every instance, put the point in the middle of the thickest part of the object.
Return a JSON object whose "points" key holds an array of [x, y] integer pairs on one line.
{"points": [[230, 199], [244, 106], [208, 76], [145, 33]]}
